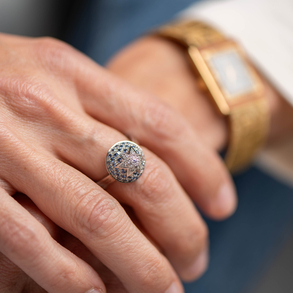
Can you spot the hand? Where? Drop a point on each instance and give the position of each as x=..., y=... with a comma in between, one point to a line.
x=55, y=104
x=162, y=68
x=13, y=279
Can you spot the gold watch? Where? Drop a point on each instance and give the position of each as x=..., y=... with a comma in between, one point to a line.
x=225, y=73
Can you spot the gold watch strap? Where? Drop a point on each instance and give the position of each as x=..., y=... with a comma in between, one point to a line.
x=191, y=33
x=248, y=126
x=248, y=122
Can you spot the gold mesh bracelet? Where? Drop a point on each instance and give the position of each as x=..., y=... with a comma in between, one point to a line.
x=248, y=124
x=248, y=121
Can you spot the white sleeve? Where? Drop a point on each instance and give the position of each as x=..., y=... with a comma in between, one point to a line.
x=265, y=29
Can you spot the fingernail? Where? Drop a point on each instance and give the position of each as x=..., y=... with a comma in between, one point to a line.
x=199, y=266
x=226, y=200
x=94, y=291
x=174, y=289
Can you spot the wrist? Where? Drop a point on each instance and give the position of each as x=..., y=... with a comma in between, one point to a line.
x=163, y=57
x=161, y=67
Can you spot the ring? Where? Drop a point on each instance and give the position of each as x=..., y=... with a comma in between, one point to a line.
x=125, y=162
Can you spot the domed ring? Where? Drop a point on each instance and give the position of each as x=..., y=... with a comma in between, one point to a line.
x=125, y=162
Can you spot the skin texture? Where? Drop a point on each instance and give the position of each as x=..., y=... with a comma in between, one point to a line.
x=160, y=68
x=13, y=279
x=59, y=114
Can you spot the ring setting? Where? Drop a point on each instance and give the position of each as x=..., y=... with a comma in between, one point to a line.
x=125, y=161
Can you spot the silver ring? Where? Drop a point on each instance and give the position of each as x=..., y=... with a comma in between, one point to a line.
x=125, y=162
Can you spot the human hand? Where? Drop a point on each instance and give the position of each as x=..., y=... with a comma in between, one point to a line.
x=54, y=102
x=14, y=280
x=162, y=68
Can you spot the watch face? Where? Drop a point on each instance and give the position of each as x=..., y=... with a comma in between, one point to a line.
x=227, y=74
x=231, y=73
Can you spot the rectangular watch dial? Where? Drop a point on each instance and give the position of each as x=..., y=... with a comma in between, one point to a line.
x=231, y=73
x=228, y=75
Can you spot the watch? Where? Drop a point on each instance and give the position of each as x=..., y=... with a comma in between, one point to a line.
x=224, y=72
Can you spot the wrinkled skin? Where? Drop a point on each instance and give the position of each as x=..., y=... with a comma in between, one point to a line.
x=60, y=113
x=13, y=279
x=161, y=69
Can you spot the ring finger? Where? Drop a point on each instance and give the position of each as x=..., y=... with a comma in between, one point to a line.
x=158, y=200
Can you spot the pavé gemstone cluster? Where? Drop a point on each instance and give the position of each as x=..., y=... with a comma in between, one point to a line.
x=125, y=161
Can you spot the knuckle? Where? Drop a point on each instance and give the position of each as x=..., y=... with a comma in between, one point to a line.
x=17, y=237
x=27, y=95
x=22, y=236
x=48, y=42
x=68, y=278
x=87, y=134
x=96, y=215
x=194, y=240
x=65, y=277
x=51, y=48
x=163, y=122
x=31, y=98
x=52, y=53
x=154, y=273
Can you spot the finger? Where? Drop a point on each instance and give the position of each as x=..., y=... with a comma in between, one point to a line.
x=29, y=205
x=112, y=283
x=62, y=237
x=30, y=285
x=15, y=278
x=77, y=204
x=168, y=216
x=156, y=126
x=66, y=240
x=162, y=206
x=12, y=278
x=29, y=246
